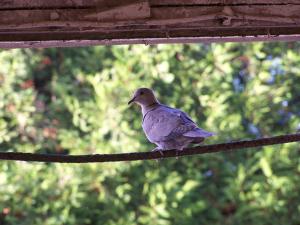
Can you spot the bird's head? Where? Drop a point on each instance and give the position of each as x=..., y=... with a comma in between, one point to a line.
x=143, y=97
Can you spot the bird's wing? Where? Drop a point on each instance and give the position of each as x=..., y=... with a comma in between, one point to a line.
x=165, y=123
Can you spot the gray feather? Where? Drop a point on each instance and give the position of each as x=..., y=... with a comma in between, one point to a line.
x=171, y=128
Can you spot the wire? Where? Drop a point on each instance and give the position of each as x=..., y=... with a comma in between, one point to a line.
x=97, y=158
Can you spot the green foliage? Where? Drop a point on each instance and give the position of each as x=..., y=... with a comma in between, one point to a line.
x=74, y=101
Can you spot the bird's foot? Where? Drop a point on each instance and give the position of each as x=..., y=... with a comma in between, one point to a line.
x=177, y=151
x=158, y=150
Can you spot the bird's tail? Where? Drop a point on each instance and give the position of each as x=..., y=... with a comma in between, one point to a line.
x=198, y=133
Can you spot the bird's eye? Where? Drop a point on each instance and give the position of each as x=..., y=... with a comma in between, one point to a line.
x=141, y=93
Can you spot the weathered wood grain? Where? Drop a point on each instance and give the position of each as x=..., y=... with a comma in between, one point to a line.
x=56, y=4
x=136, y=21
x=23, y=4
x=215, y=16
x=222, y=2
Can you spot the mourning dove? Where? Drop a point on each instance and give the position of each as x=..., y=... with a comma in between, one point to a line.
x=167, y=127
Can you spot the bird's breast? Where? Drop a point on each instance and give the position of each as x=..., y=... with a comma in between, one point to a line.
x=158, y=124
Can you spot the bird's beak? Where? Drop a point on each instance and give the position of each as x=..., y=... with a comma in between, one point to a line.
x=131, y=100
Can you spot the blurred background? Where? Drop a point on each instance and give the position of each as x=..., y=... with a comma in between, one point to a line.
x=74, y=101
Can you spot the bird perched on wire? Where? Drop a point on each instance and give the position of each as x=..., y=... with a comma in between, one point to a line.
x=167, y=127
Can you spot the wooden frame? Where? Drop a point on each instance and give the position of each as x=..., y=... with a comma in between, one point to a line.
x=70, y=23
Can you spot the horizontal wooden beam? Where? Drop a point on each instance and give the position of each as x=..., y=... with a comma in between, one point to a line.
x=46, y=4
x=145, y=41
x=55, y=4
x=223, y=2
x=140, y=21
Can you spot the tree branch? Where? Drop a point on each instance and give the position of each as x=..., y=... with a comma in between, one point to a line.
x=223, y=147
